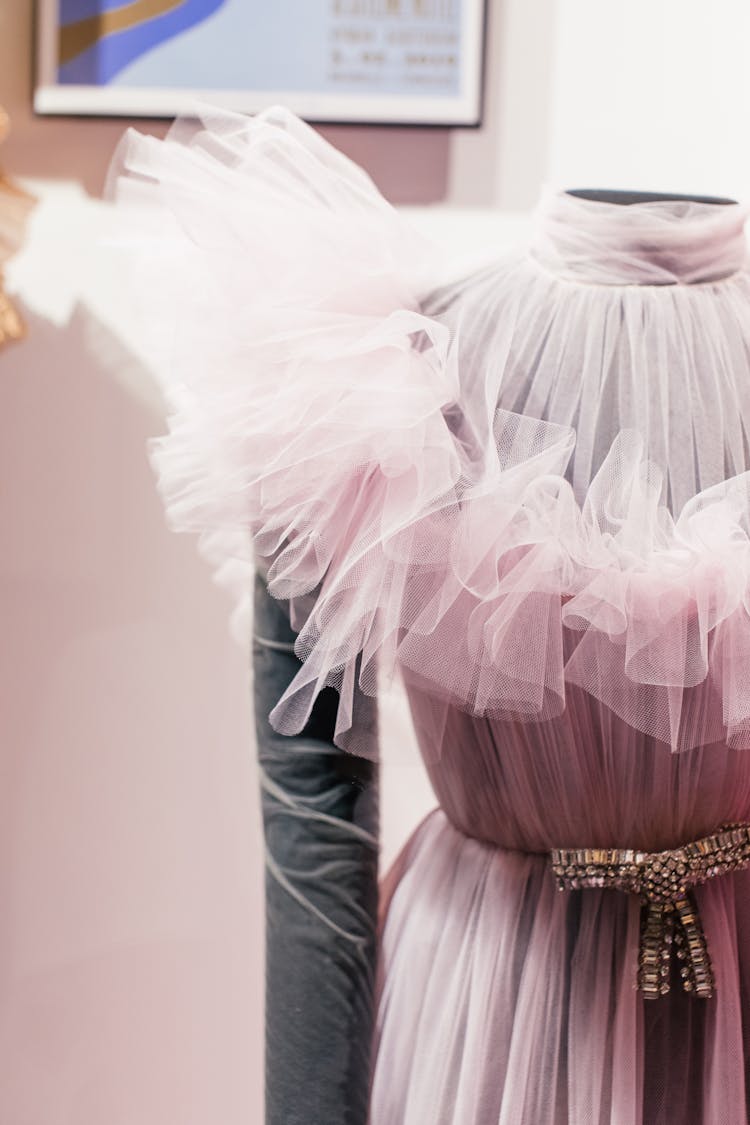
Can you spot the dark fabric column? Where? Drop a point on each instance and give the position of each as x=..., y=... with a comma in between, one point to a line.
x=320, y=819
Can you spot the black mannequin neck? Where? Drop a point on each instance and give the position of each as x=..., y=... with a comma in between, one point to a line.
x=605, y=195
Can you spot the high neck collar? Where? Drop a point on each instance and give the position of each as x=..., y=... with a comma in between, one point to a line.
x=661, y=242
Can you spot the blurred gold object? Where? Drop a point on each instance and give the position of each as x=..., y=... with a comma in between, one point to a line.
x=15, y=205
x=11, y=325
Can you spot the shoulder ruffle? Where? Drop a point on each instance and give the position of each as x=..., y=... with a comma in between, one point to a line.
x=317, y=419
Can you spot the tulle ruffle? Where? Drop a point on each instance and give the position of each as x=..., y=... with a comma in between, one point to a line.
x=486, y=488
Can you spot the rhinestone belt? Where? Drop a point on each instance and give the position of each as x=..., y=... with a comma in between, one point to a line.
x=663, y=880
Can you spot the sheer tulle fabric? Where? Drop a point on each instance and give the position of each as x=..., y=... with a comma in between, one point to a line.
x=453, y=482
x=678, y=241
x=528, y=492
x=504, y=1000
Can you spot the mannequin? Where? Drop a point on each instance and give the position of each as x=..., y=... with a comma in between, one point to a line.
x=623, y=196
x=319, y=982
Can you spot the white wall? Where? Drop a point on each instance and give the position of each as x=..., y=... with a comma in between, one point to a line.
x=652, y=94
x=502, y=163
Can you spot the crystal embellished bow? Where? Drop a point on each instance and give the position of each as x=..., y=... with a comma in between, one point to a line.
x=663, y=881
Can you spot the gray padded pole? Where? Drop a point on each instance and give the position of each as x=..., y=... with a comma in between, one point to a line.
x=321, y=829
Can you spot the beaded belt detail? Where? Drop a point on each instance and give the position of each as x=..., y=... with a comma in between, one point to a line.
x=663, y=881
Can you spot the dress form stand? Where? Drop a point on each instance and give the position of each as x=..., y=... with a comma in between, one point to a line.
x=320, y=823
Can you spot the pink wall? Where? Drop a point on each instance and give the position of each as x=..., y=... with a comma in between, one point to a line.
x=131, y=857
x=131, y=860
x=131, y=929
x=410, y=165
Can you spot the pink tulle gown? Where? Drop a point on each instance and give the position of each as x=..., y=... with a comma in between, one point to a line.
x=526, y=494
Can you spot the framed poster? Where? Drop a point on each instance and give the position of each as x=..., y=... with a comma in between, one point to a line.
x=401, y=61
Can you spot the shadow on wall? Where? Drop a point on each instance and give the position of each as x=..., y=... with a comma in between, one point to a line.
x=130, y=853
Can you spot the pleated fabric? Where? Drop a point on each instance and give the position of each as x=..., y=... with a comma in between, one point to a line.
x=525, y=493
x=502, y=999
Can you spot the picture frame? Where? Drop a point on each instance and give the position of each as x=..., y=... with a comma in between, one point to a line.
x=406, y=62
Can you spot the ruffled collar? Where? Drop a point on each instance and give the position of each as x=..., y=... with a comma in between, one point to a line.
x=661, y=242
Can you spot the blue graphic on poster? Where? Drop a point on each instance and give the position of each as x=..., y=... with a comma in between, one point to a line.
x=99, y=38
x=327, y=46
